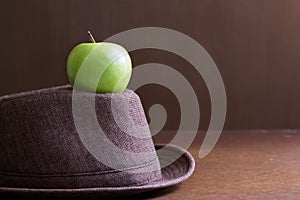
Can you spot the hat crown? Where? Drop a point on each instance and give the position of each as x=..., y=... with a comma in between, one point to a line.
x=40, y=146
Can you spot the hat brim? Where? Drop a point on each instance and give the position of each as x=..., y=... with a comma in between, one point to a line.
x=175, y=173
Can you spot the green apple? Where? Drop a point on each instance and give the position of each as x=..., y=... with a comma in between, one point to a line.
x=99, y=67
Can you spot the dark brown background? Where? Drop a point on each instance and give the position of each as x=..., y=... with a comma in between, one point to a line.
x=254, y=43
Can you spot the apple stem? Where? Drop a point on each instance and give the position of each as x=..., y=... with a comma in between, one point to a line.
x=91, y=37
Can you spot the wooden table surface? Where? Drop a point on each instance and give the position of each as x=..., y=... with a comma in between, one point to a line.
x=257, y=164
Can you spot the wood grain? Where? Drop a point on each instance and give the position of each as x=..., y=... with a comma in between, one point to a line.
x=244, y=165
x=258, y=165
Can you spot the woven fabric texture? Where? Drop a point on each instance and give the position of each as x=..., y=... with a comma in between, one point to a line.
x=40, y=147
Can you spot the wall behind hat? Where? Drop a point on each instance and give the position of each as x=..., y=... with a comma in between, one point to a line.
x=254, y=43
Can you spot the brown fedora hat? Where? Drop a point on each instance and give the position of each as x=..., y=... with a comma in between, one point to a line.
x=42, y=152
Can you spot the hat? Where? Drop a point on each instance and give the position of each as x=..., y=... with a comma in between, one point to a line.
x=45, y=151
